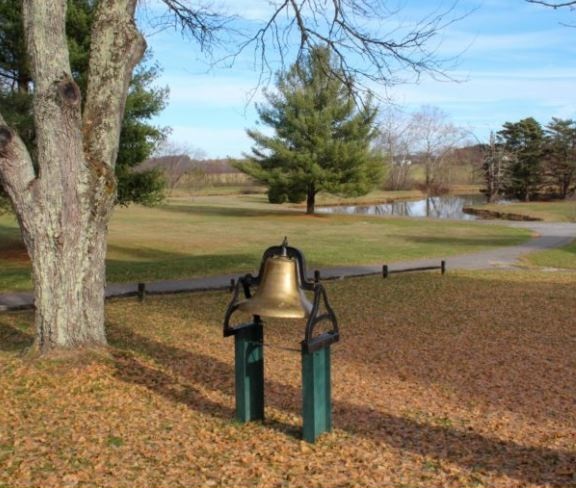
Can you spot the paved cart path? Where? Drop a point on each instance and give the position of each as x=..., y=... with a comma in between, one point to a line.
x=549, y=235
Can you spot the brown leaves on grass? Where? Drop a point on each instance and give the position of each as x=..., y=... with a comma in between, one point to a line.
x=460, y=381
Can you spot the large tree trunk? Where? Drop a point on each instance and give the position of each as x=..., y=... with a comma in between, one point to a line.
x=64, y=209
x=69, y=279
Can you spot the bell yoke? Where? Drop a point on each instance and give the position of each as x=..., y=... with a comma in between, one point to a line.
x=281, y=284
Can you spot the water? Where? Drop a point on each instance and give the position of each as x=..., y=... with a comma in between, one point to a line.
x=443, y=207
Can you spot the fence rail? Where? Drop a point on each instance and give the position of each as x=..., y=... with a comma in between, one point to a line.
x=386, y=271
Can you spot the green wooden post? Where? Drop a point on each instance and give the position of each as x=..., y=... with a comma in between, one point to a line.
x=249, y=369
x=316, y=402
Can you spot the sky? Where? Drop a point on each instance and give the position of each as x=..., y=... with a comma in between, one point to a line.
x=505, y=60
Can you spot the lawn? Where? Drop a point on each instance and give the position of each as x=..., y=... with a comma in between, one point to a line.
x=461, y=381
x=558, y=211
x=563, y=257
x=210, y=235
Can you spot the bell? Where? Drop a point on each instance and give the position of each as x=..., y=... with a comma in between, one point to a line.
x=278, y=294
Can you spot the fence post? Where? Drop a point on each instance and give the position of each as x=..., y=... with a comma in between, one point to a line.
x=443, y=267
x=141, y=291
x=385, y=271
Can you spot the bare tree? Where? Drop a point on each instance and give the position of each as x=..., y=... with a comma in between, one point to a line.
x=493, y=169
x=173, y=167
x=395, y=142
x=64, y=197
x=170, y=147
x=177, y=160
x=434, y=138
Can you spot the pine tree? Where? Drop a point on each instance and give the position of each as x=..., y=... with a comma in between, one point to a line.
x=560, y=156
x=321, y=140
x=523, y=142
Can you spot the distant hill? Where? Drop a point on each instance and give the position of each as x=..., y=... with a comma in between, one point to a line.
x=182, y=170
x=218, y=166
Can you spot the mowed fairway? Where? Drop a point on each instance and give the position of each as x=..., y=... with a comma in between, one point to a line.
x=554, y=211
x=212, y=235
x=460, y=381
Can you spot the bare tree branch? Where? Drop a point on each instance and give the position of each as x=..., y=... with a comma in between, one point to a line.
x=556, y=5
x=353, y=31
x=366, y=48
x=553, y=4
x=200, y=22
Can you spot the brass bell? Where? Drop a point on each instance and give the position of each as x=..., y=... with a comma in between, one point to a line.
x=279, y=294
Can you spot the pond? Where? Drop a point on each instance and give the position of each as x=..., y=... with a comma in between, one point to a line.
x=442, y=207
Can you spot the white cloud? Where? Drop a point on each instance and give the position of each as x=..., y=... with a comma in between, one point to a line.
x=555, y=86
x=469, y=43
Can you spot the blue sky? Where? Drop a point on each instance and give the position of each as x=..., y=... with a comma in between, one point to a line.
x=513, y=60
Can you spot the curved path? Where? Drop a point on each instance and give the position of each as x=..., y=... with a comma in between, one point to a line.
x=548, y=235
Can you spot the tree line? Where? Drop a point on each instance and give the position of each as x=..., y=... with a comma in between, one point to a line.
x=326, y=139
x=526, y=161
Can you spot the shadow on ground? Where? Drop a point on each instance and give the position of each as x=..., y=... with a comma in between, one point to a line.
x=13, y=339
x=468, y=449
x=150, y=264
x=466, y=243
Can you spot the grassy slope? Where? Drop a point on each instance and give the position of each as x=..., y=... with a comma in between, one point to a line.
x=561, y=211
x=564, y=257
x=438, y=382
x=217, y=234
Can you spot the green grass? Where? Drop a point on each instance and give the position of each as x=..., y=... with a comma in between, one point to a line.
x=212, y=235
x=563, y=257
x=558, y=211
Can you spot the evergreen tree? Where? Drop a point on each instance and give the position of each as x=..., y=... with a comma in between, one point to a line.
x=138, y=138
x=523, y=143
x=321, y=140
x=560, y=160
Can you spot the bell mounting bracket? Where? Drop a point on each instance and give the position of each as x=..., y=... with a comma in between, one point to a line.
x=311, y=341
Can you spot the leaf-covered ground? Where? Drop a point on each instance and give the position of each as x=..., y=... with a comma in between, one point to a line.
x=455, y=381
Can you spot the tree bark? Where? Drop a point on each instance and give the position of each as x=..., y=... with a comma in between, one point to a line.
x=311, y=200
x=64, y=210
x=69, y=280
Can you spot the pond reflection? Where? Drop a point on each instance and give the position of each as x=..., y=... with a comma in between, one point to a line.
x=442, y=207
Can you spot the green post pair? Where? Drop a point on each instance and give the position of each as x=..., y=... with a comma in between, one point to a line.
x=316, y=391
